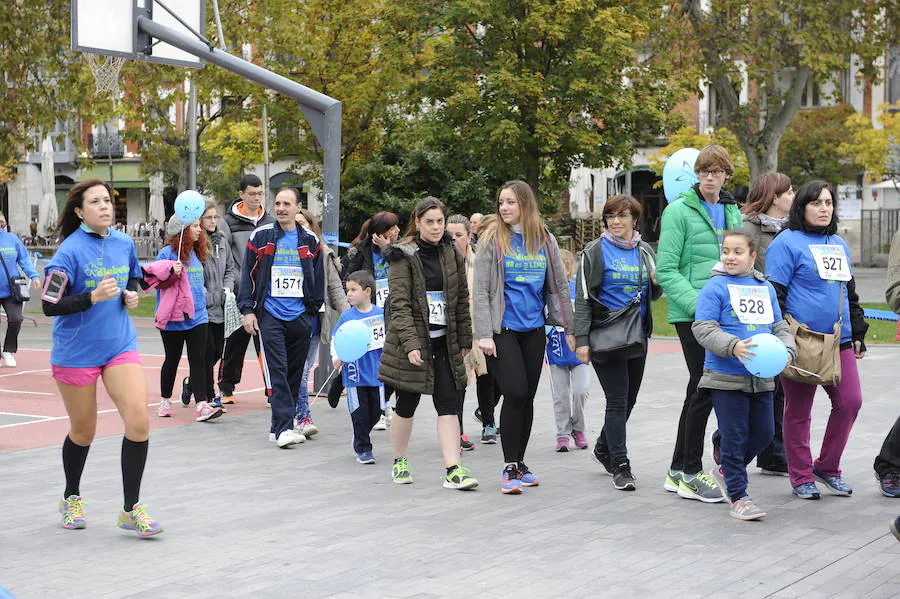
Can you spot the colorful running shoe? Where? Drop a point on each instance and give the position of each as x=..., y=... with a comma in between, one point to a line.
x=207, y=412
x=216, y=402
x=673, y=479
x=186, y=391
x=165, y=408
x=465, y=444
x=890, y=484
x=72, y=510
x=581, y=441
x=745, y=509
x=835, y=484
x=510, y=483
x=806, y=491
x=400, y=473
x=306, y=427
x=527, y=477
x=701, y=487
x=562, y=444
x=489, y=435
x=459, y=478
x=139, y=521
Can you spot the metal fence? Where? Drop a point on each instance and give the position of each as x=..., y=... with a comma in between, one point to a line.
x=877, y=230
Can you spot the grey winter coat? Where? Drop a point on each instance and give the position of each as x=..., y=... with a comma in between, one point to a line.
x=764, y=235
x=335, y=296
x=218, y=274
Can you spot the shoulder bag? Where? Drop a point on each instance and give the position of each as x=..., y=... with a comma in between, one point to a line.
x=620, y=335
x=818, y=354
x=18, y=285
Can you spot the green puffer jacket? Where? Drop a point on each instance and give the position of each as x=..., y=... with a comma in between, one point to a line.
x=408, y=328
x=688, y=250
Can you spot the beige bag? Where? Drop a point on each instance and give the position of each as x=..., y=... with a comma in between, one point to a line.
x=818, y=354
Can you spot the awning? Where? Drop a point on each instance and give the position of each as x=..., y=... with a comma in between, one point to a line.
x=126, y=175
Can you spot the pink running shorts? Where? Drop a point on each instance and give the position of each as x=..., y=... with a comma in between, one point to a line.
x=82, y=377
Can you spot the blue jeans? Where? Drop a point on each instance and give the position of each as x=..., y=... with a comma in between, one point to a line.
x=747, y=426
x=303, y=395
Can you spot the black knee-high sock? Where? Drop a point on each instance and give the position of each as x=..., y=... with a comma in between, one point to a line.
x=134, y=456
x=74, y=456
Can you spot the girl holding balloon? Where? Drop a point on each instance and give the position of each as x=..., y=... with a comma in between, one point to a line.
x=735, y=305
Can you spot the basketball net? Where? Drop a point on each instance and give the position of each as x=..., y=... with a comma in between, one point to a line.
x=106, y=73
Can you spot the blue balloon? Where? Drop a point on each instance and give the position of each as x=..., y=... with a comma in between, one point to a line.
x=189, y=206
x=771, y=356
x=678, y=172
x=351, y=340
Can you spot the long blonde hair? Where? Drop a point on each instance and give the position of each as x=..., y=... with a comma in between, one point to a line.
x=533, y=232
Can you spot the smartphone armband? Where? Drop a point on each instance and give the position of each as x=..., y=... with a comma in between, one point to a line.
x=54, y=286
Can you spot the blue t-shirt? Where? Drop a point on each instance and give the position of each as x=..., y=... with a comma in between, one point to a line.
x=716, y=213
x=286, y=254
x=364, y=371
x=102, y=332
x=558, y=352
x=810, y=299
x=621, y=273
x=14, y=255
x=715, y=303
x=382, y=267
x=194, y=271
x=523, y=288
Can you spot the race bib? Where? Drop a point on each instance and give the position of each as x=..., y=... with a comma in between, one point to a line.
x=376, y=328
x=752, y=304
x=287, y=281
x=381, y=292
x=831, y=260
x=437, y=308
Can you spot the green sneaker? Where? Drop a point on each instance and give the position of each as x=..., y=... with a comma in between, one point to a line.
x=459, y=478
x=701, y=487
x=139, y=521
x=400, y=473
x=72, y=510
x=673, y=477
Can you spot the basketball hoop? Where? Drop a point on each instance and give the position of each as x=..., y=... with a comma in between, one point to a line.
x=106, y=73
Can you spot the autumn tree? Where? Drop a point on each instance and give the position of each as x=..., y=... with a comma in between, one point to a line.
x=876, y=150
x=810, y=148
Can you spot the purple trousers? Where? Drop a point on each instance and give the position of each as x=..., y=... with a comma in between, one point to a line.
x=846, y=399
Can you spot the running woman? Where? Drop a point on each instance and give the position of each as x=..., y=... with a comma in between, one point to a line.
x=429, y=335
x=14, y=256
x=518, y=274
x=90, y=283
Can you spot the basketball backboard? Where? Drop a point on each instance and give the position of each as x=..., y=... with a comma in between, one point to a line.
x=109, y=27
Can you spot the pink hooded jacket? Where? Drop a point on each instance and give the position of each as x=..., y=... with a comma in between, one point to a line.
x=175, y=300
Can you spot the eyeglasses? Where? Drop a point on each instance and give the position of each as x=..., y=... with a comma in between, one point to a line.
x=715, y=172
x=619, y=216
x=213, y=217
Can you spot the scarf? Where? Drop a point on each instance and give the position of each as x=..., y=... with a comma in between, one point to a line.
x=622, y=243
x=777, y=223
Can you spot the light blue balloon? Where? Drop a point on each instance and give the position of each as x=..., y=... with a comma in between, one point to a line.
x=678, y=172
x=771, y=356
x=351, y=340
x=189, y=206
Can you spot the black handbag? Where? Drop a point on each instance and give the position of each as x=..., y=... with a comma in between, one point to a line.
x=620, y=335
x=18, y=285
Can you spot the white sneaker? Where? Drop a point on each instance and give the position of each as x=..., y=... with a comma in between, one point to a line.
x=289, y=437
x=9, y=358
x=381, y=425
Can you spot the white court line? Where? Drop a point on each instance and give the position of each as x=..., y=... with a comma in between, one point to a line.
x=53, y=418
x=25, y=392
x=3, y=376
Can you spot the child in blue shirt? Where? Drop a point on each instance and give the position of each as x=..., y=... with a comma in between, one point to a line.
x=570, y=380
x=736, y=303
x=365, y=393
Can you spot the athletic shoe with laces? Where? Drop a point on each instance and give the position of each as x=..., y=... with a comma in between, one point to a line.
x=306, y=427
x=459, y=478
x=400, y=473
x=165, y=408
x=581, y=441
x=718, y=475
x=701, y=487
x=206, y=412
x=890, y=484
x=527, y=476
x=562, y=444
x=745, y=509
x=288, y=437
x=623, y=480
x=835, y=484
x=227, y=399
x=774, y=470
x=673, y=479
x=381, y=425
x=895, y=527
x=465, y=444
x=806, y=491
x=489, y=435
x=72, y=510
x=216, y=402
x=510, y=483
x=9, y=358
x=139, y=521
x=186, y=391
x=603, y=459
x=365, y=457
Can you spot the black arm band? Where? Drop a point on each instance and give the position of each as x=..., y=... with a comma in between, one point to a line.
x=68, y=304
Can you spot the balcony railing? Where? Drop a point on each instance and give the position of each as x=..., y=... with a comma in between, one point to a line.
x=107, y=144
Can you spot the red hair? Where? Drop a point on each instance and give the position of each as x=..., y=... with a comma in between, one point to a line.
x=198, y=245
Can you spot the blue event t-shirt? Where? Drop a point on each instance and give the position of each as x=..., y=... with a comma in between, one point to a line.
x=558, y=352
x=14, y=255
x=810, y=299
x=382, y=267
x=194, y=271
x=286, y=254
x=364, y=371
x=714, y=303
x=103, y=331
x=621, y=273
x=716, y=213
x=523, y=288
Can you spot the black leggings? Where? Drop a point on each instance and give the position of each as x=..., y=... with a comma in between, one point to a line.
x=173, y=341
x=445, y=396
x=688, y=454
x=215, y=345
x=488, y=392
x=14, y=318
x=518, y=354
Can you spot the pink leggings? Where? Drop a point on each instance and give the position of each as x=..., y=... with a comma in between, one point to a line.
x=846, y=399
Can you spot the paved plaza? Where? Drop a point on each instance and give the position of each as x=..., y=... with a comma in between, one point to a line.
x=245, y=519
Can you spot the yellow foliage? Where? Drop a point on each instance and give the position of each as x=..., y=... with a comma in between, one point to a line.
x=687, y=137
x=871, y=147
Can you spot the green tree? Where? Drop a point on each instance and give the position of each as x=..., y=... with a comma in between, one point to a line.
x=759, y=57
x=876, y=150
x=687, y=137
x=810, y=146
